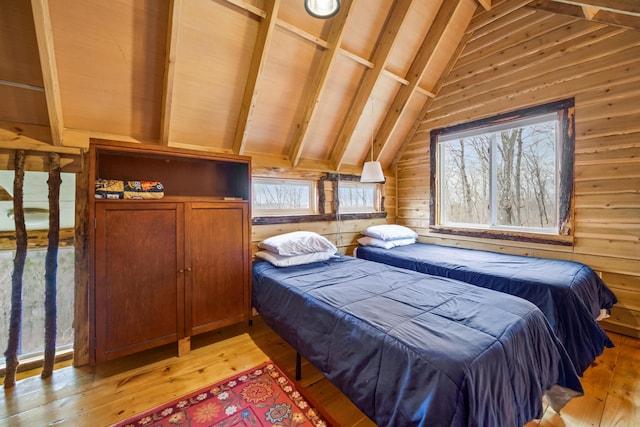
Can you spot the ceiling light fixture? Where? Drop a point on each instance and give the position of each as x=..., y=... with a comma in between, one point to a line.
x=372, y=171
x=322, y=9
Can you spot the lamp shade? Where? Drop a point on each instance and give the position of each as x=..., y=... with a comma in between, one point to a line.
x=372, y=172
x=322, y=9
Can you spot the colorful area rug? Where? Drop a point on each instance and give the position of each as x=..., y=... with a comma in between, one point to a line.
x=262, y=396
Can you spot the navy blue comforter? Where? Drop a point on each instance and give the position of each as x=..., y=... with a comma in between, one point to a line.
x=569, y=294
x=411, y=349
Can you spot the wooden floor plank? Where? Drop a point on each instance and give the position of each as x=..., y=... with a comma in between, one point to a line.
x=622, y=405
x=118, y=389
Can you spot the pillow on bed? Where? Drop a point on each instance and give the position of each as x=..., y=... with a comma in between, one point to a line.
x=390, y=232
x=288, y=261
x=297, y=243
x=385, y=244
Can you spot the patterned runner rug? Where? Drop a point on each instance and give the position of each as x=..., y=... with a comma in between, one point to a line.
x=262, y=396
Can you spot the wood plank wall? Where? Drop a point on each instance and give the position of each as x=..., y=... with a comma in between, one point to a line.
x=342, y=233
x=527, y=58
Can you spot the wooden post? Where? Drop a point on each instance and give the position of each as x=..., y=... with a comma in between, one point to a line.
x=51, y=266
x=11, y=355
x=81, y=333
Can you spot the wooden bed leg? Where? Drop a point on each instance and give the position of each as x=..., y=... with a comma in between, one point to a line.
x=298, y=367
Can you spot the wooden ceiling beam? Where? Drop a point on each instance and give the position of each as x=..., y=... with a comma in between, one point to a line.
x=248, y=7
x=386, y=72
x=252, y=87
x=44, y=37
x=624, y=7
x=303, y=34
x=590, y=12
x=414, y=75
x=498, y=11
x=36, y=140
x=379, y=60
x=173, y=27
x=485, y=3
x=427, y=105
x=603, y=16
x=317, y=87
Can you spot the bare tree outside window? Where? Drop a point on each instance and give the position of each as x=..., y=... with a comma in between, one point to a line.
x=502, y=178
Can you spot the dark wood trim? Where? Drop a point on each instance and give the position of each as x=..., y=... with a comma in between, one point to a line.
x=504, y=235
x=565, y=210
x=433, y=174
x=292, y=219
x=550, y=107
x=321, y=195
x=336, y=196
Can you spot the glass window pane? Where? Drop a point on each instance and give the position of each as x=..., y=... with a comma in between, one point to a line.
x=503, y=176
x=526, y=183
x=465, y=180
x=357, y=197
x=282, y=197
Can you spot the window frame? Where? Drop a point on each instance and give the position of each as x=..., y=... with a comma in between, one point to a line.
x=563, y=235
x=335, y=179
x=375, y=207
x=313, y=199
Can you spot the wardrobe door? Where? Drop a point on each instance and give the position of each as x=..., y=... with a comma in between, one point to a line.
x=139, y=289
x=217, y=265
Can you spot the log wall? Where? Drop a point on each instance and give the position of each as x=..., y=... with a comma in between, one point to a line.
x=530, y=57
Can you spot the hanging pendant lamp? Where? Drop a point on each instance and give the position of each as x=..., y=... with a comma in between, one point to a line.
x=322, y=9
x=372, y=171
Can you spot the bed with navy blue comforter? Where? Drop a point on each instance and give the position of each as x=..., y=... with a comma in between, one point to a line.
x=570, y=294
x=412, y=349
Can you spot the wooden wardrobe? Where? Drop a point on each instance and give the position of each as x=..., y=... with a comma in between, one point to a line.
x=163, y=270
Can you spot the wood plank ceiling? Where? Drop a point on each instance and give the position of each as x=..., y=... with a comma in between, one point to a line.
x=253, y=77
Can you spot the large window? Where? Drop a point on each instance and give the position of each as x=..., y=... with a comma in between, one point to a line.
x=283, y=197
x=506, y=174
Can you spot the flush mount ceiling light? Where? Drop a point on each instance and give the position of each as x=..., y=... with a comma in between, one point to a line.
x=322, y=9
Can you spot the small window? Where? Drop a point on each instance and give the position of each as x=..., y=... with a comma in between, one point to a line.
x=358, y=197
x=283, y=197
x=506, y=174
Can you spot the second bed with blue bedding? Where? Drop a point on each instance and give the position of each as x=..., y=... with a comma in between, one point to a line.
x=570, y=294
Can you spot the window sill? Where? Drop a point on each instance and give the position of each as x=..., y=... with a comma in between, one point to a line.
x=292, y=219
x=549, y=239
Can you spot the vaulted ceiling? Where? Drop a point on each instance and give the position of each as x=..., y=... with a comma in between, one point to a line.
x=253, y=77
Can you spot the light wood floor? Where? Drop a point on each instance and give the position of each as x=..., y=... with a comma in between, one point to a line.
x=119, y=389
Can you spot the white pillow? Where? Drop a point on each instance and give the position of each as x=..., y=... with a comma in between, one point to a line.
x=385, y=244
x=288, y=261
x=297, y=243
x=390, y=232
